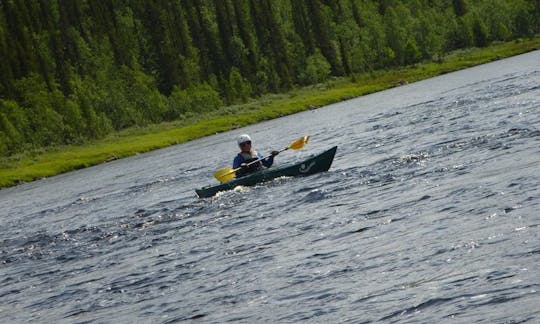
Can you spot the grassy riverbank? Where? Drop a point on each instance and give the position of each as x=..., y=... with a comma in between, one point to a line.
x=35, y=165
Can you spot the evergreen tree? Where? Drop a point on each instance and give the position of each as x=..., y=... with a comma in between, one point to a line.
x=460, y=7
x=78, y=70
x=321, y=27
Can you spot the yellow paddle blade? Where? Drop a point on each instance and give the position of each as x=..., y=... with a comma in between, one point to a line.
x=299, y=143
x=225, y=174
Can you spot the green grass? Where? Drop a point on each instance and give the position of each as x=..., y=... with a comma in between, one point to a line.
x=44, y=163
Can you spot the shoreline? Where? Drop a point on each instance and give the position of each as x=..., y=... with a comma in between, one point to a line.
x=30, y=166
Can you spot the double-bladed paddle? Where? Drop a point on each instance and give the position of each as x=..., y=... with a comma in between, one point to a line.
x=227, y=174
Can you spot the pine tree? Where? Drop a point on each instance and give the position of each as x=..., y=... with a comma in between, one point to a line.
x=324, y=39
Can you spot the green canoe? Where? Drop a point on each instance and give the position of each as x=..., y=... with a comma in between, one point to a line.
x=314, y=164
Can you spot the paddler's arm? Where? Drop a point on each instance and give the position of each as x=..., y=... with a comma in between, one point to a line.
x=269, y=160
x=238, y=160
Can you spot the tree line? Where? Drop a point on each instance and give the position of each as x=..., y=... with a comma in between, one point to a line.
x=78, y=70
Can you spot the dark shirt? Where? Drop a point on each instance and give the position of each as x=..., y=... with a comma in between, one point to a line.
x=239, y=159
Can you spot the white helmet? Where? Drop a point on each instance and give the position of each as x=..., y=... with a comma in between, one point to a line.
x=243, y=138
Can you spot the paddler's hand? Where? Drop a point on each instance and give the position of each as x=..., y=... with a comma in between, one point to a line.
x=274, y=153
x=243, y=165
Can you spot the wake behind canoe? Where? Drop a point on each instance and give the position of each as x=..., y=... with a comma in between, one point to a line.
x=314, y=164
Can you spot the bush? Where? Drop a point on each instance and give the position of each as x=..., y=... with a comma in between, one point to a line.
x=317, y=69
x=480, y=33
x=199, y=98
x=411, y=52
x=239, y=86
x=10, y=138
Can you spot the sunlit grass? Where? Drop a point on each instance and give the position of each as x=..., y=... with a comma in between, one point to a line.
x=44, y=163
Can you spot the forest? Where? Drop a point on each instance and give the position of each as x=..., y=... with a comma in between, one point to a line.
x=74, y=71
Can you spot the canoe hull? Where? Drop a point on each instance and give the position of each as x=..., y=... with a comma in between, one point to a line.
x=314, y=164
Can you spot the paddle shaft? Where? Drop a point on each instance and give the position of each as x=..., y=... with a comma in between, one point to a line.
x=222, y=174
x=263, y=158
x=252, y=162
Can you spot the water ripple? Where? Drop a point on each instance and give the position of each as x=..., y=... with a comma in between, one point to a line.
x=428, y=214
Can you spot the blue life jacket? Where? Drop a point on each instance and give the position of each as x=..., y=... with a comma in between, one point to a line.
x=247, y=157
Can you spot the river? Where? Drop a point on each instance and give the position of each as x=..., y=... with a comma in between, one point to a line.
x=429, y=213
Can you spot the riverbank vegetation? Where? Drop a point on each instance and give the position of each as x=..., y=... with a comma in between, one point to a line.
x=35, y=164
x=86, y=82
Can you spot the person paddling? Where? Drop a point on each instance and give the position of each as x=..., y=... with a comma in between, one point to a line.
x=248, y=154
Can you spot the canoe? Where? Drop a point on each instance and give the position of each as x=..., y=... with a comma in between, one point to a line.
x=314, y=164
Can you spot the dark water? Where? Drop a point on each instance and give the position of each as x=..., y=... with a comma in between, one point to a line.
x=430, y=213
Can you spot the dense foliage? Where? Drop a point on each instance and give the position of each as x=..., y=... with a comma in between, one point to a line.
x=77, y=70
